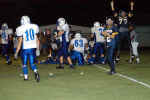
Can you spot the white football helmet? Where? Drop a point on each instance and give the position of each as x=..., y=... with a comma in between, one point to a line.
x=61, y=21
x=78, y=35
x=25, y=20
x=97, y=24
x=4, y=26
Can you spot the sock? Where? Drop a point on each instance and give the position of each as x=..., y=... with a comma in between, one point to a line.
x=25, y=69
x=138, y=60
x=7, y=58
x=35, y=70
x=25, y=76
x=33, y=67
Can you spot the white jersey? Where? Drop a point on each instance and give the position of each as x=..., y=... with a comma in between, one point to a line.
x=66, y=29
x=5, y=36
x=79, y=44
x=29, y=34
x=98, y=34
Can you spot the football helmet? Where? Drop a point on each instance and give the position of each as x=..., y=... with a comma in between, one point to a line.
x=97, y=24
x=61, y=21
x=25, y=20
x=4, y=26
x=78, y=35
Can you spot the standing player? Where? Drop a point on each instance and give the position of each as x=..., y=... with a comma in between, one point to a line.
x=134, y=45
x=5, y=36
x=110, y=33
x=97, y=31
x=63, y=34
x=78, y=45
x=27, y=38
x=122, y=20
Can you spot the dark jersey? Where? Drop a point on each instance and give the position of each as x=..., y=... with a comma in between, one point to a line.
x=123, y=22
x=111, y=41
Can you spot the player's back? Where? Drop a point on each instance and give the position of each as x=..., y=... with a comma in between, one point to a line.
x=98, y=34
x=28, y=33
x=66, y=29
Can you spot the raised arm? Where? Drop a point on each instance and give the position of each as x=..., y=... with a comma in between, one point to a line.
x=112, y=5
x=132, y=5
x=131, y=9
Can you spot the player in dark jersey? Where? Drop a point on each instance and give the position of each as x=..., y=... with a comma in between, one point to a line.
x=110, y=33
x=122, y=21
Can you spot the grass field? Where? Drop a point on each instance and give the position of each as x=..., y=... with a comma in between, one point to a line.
x=68, y=84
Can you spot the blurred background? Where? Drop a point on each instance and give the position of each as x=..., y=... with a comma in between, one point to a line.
x=78, y=12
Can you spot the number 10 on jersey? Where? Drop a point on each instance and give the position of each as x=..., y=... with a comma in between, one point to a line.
x=29, y=34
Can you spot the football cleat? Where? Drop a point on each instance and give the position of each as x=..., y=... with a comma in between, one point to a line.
x=37, y=77
x=60, y=67
x=112, y=73
x=9, y=62
x=72, y=67
x=26, y=79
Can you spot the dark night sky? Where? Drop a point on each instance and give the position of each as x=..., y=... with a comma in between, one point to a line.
x=80, y=12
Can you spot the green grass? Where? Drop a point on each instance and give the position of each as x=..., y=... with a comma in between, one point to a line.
x=68, y=84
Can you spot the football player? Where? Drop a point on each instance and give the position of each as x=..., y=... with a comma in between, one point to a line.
x=63, y=35
x=78, y=45
x=122, y=20
x=5, y=36
x=110, y=33
x=97, y=31
x=28, y=39
x=134, y=45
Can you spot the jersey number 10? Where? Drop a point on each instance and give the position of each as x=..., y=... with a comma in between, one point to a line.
x=29, y=34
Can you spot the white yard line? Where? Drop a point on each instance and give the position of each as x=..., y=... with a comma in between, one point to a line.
x=125, y=77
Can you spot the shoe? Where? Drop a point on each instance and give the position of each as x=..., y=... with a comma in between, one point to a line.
x=137, y=60
x=72, y=67
x=117, y=59
x=9, y=62
x=25, y=79
x=60, y=67
x=37, y=77
x=112, y=73
x=103, y=62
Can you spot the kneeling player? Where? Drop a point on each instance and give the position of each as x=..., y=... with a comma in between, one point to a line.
x=27, y=37
x=78, y=45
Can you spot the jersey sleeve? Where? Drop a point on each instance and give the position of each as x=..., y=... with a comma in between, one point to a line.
x=92, y=30
x=19, y=32
x=72, y=42
x=36, y=29
x=10, y=31
x=66, y=28
x=85, y=41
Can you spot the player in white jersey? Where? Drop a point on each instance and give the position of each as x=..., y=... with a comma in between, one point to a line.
x=99, y=38
x=78, y=45
x=63, y=35
x=5, y=36
x=27, y=38
x=134, y=54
